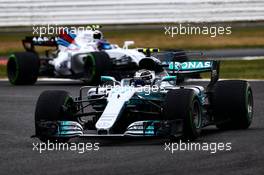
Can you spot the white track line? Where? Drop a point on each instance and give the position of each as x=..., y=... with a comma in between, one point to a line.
x=252, y=58
x=70, y=80
x=50, y=79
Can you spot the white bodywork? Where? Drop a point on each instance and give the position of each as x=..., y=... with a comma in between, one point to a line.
x=83, y=43
x=119, y=95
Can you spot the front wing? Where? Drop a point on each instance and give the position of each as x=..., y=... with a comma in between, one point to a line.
x=148, y=128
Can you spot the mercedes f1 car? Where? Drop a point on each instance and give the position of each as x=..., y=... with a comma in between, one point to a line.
x=151, y=104
x=85, y=55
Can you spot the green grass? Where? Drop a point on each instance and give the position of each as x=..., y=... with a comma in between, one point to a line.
x=248, y=69
x=238, y=69
x=2, y=71
x=250, y=37
x=241, y=37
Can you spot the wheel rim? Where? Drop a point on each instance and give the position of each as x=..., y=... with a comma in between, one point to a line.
x=196, y=115
x=250, y=105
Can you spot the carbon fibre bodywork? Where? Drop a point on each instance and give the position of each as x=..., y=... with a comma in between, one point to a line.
x=123, y=109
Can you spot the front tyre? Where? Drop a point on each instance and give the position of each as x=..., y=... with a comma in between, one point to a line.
x=50, y=108
x=23, y=68
x=232, y=102
x=183, y=104
x=96, y=64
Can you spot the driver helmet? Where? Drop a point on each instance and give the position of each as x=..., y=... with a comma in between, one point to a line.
x=103, y=45
x=144, y=77
x=98, y=35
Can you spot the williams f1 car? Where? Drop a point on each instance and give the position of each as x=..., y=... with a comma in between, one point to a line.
x=151, y=104
x=85, y=55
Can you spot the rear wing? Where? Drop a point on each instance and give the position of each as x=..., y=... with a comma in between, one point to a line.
x=195, y=66
x=188, y=67
x=30, y=42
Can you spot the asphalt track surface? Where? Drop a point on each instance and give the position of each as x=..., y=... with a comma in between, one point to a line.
x=217, y=53
x=17, y=105
x=234, y=53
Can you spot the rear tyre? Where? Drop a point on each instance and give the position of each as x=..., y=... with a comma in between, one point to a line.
x=184, y=104
x=96, y=64
x=23, y=68
x=50, y=108
x=232, y=102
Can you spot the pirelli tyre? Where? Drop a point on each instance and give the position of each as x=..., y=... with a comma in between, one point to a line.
x=96, y=64
x=183, y=104
x=23, y=68
x=51, y=107
x=232, y=102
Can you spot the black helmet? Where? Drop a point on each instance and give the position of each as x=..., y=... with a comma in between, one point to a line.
x=143, y=77
x=98, y=35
